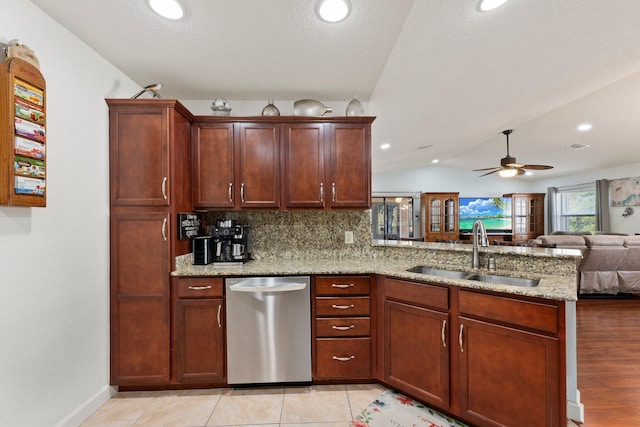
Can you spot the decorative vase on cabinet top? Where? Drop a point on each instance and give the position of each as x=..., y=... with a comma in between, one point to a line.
x=270, y=110
x=310, y=107
x=355, y=108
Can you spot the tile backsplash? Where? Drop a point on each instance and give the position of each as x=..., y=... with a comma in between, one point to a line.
x=303, y=234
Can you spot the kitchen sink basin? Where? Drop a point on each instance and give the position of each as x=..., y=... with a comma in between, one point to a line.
x=503, y=280
x=479, y=277
x=452, y=274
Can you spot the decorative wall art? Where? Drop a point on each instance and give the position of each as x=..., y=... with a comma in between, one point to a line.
x=625, y=191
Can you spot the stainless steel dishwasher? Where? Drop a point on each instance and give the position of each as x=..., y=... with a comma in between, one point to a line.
x=268, y=329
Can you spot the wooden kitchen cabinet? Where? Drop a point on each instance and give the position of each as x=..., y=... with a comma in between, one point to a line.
x=439, y=216
x=341, y=310
x=416, y=337
x=491, y=360
x=527, y=216
x=198, y=330
x=149, y=171
x=282, y=162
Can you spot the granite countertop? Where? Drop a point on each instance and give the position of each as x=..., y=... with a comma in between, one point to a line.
x=554, y=287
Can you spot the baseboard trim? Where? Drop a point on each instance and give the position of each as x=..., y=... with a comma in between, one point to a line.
x=84, y=411
x=575, y=410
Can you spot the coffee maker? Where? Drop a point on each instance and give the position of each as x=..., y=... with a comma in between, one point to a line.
x=229, y=243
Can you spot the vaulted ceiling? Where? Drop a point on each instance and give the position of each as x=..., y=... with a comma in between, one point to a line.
x=443, y=78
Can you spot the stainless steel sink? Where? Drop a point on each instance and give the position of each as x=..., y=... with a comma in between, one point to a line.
x=479, y=277
x=503, y=280
x=452, y=274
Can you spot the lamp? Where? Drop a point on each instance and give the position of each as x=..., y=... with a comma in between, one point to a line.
x=508, y=172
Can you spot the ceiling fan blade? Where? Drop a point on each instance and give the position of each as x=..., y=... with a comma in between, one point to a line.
x=536, y=167
x=485, y=169
x=489, y=173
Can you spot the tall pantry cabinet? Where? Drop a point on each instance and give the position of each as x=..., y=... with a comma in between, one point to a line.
x=149, y=166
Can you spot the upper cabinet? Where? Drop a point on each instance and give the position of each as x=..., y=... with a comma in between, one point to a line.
x=281, y=162
x=140, y=155
x=22, y=135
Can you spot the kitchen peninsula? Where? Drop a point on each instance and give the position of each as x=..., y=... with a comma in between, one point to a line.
x=457, y=344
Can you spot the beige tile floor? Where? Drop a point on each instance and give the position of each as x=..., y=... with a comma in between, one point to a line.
x=307, y=406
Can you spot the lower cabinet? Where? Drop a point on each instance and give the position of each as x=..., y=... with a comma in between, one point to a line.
x=198, y=326
x=342, y=348
x=488, y=359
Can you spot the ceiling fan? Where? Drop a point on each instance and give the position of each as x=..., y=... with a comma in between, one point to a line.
x=508, y=165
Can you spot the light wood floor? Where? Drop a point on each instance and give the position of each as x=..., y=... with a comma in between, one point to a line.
x=608, y=333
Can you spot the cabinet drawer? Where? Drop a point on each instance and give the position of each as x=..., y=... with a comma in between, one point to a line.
x=416, y=293
x=343, y=327
x=342, y=285
x=343, y=358
x=199, y=287
x=337, y=307
x=529, y=314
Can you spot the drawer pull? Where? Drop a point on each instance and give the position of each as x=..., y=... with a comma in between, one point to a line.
x=342, y=307
x=342, y=285
x=199, y=288
x=343, y=359
x=342, y=328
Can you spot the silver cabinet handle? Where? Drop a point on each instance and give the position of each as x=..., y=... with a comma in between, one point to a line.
x=333, y=191
x=342, y=307
x=231, y=192
x=199, y=288
x=343, y=359
x=164, y=229
x=322, y=192
x=164, y=188
x=242, y=192
x=219, y=310
x=444, y=327
x=342, y=285
x=342, y=328
x=460, y=338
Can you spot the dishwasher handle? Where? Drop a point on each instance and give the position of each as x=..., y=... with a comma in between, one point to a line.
x=250, y=287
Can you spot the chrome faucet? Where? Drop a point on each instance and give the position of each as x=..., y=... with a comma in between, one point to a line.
x=479, y=232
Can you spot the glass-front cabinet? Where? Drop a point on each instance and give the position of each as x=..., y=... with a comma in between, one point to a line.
x=528, y=216
x=439, y=214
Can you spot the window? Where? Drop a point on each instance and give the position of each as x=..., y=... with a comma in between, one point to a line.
x=573, y=209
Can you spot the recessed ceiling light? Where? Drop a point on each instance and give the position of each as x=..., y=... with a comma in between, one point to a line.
x=487, y=5
x=170, y=9
x=528, y=173
x=584, y=127
x=385, y=146
x=434, y=161
x=333, y=10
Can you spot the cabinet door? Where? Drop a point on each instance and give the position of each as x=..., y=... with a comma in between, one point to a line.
x=139, y=156
x=350, y=165
x=213, y=165
x=139, y=298
x=416, y=349
x=508, y=377
x=199, y=337
x=304, y=166
x=259, y=157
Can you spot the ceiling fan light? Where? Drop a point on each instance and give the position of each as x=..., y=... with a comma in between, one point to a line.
x=508, y=172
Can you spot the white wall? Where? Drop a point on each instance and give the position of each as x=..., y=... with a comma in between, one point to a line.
x=54, y=261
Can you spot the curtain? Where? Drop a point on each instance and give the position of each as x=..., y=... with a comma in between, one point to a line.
x=552, y=222
x=602, y=205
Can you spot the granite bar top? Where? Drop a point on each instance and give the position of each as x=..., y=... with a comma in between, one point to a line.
x=561, y=286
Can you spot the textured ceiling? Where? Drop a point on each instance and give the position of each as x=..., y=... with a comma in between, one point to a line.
x=435, y=73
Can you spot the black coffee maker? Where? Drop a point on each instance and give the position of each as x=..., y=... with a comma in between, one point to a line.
x=228, y=243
